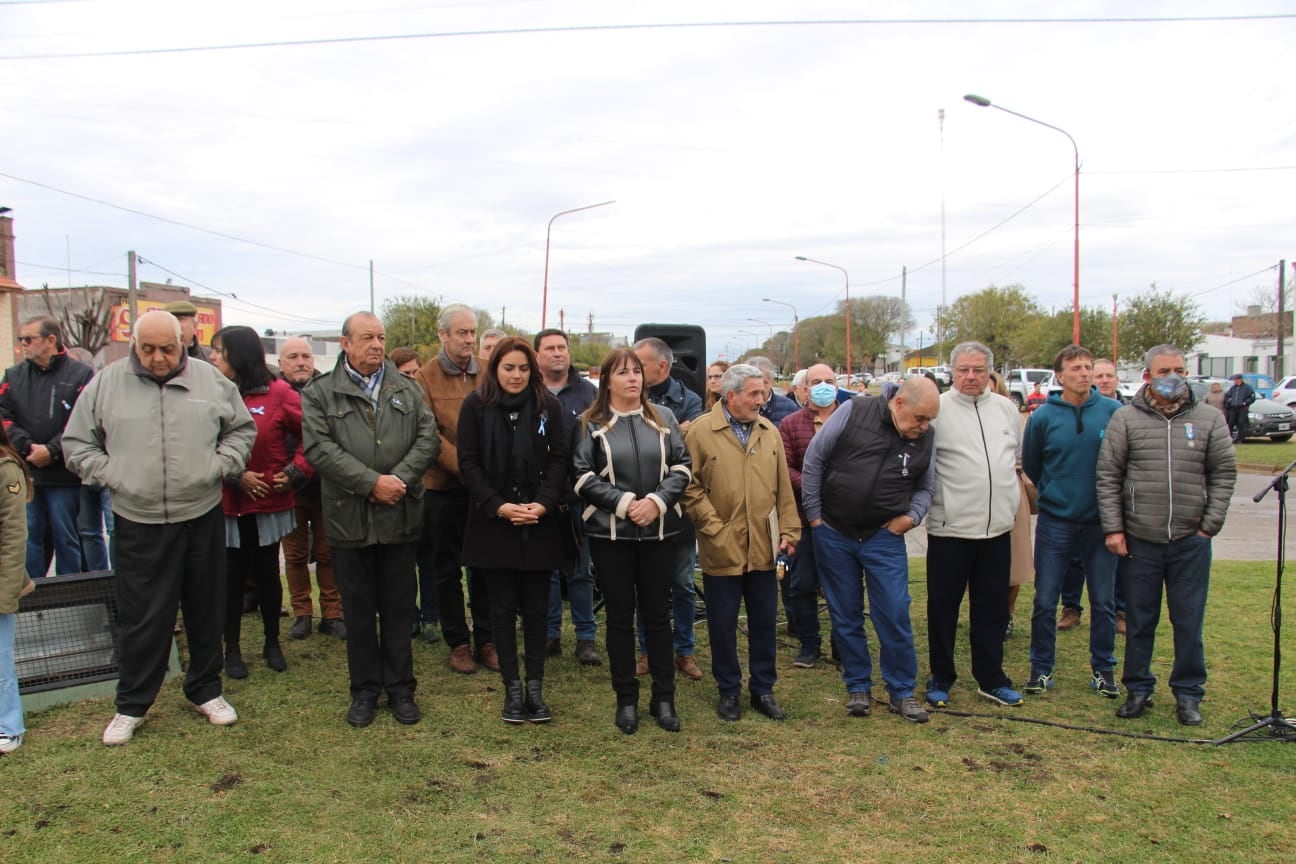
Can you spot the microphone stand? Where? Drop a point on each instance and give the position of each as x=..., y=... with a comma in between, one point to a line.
x=1280, y=728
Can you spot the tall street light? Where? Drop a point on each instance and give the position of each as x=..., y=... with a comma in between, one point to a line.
x=848, y=306
x=1075, y=301
x=796, y=335
x=544, y=303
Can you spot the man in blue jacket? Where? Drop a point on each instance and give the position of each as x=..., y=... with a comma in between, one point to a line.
x=1060, y=455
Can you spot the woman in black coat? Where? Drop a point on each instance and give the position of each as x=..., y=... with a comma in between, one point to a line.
x=632, y=467
x=513, y=458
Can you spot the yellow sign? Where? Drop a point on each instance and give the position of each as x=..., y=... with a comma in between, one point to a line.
x=208, y=319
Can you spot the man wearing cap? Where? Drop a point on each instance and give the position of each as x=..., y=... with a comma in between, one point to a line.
x=187, y=314
x=1237, y=402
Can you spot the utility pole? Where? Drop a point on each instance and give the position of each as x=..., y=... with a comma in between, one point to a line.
x=502, y=308
x=591, y=322
x=132, y=289
x=562, y=320
x=371, y=291
x=1115, y=333
x=904, y=306
x=940, y=313
x=1282, y=318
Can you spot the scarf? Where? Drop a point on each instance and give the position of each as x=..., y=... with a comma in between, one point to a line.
x=509, y=454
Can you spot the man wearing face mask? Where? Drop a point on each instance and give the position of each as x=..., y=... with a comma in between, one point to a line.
x=801, y=584
x=1166, y=472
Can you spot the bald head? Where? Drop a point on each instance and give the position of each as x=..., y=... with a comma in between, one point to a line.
x=914, y=406
x=156, y=342
x=296, y=360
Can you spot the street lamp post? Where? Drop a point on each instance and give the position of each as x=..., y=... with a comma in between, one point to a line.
x=848, y=306
x=1075, y=285
x=544, y=303
x=796, y=334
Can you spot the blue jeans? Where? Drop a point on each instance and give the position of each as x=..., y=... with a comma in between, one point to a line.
x=1073, y=588
x=885, y=565
x=54, y=507
x=1057, y=542
x=580, y=594
x=758, y=590
x=801, y=593
x=11, y=713
x=1183, y=568
x=683, y=597
x=94, y=516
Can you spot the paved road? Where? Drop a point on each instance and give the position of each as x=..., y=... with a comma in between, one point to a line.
x=1250, y=531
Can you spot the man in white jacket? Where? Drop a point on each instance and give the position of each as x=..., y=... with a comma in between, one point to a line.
x=969, y=548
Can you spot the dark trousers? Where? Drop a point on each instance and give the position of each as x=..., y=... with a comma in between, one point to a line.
x=801, y=593
x=445, y=516
x=261, y=563
x=159, y=569
x=759, y=590
x=981, y=568
x=525, y=591
x=1182, y=570
x=377, y=586
x=1238, y=420
x=630, y=573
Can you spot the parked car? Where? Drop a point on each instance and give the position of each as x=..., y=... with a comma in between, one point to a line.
x=941, y=373
x=1285, y=391
x=1266, y=419
x=1021, y=382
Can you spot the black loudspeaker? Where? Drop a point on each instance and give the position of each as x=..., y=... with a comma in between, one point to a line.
x=688, y=343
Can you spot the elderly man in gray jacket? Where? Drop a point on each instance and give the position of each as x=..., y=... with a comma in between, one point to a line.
x=1166, y=473
x=162, y=432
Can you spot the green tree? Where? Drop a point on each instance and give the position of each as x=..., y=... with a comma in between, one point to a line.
x=1158, y=317
x=1042, y=337
x=996, y=317
x=876, y=322
x=411, y=321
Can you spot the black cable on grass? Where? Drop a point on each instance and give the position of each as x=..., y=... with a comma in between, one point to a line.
x=1144, y=736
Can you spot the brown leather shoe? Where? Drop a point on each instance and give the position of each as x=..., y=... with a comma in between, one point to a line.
x=688, y=667
x=487, y=657
x=1120, y=623
x=461, y=660
x=1069, y=618
x=641, y=667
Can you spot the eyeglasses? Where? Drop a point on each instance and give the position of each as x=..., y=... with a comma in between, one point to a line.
x=27, y=340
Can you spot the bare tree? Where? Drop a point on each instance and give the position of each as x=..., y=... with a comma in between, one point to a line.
x=89, y=324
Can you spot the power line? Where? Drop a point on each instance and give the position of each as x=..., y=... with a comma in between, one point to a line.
x=54, y=268
x=609, y=28
x=1237, y=280
x=199, y=228
x=232, y=295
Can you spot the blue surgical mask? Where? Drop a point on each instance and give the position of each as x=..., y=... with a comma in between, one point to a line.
x=1170, y=386
x=823, y=395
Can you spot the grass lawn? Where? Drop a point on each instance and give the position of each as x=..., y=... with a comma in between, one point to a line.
x=1271, y=453
x=291, y=782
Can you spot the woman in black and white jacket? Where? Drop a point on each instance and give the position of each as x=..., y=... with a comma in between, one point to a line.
x=631, y=468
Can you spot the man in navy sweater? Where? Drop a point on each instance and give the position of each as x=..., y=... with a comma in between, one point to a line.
x=1060, y=455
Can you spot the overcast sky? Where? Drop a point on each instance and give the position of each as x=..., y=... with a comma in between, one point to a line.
x=727, y=149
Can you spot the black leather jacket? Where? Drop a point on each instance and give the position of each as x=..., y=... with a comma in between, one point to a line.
x=631, y=457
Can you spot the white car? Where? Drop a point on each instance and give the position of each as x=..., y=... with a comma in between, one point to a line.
x=1284, y=391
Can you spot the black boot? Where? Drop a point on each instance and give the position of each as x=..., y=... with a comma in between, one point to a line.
x=664, y=711
x=273, y=655
x=513, y=711
x=627, y=718
x=234, y=666
x=537, y=710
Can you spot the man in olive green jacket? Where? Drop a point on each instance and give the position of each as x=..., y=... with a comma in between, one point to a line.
x=369, y=436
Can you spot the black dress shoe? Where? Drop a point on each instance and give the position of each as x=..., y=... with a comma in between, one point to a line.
x=405, y=710
x=301, y=628
x=768, y=705
x=361, y=712
x=1187, y=711
x=627, y=718
x=333, y=627
x=664, y=711
x=727, y=708
x=1135, y=705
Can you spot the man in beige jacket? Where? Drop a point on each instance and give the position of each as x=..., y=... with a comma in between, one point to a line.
x=741, y=502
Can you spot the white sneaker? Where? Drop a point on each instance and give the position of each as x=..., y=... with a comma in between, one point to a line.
x=218, y=711
x=10, y=743
x=121, y=729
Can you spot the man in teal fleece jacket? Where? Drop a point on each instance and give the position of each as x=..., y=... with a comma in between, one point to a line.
x=1060, y=456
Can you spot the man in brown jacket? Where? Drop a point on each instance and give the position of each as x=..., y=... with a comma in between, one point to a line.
x=741, y=501
x=446, y=379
